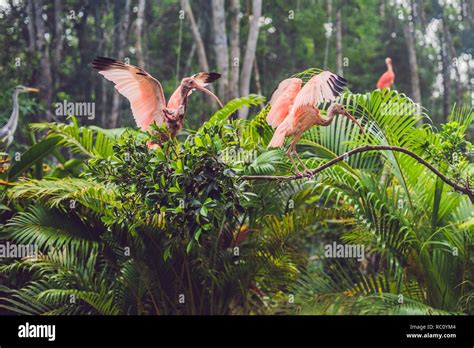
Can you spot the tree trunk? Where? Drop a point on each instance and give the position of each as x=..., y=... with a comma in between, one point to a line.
x=470, y=13
x=339, y=43
x=83, y=71
x=99, y=83
x=201, y=51
x=31, y=26
x=189, y=60
x=234, y=9
x=408, y=33
x=257, y=80
x=139, y=32
x=454, y=61
x=446, y=80
x=58, y=31
x=420, y=6
x=122, y=24
x=470, y=88
x=58, y=41
x=104, y=98
x=45, y=78
x=250, y=51
x=220, y=47
x=328, y=35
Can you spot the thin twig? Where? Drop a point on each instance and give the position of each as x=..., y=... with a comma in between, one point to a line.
x=455, y=186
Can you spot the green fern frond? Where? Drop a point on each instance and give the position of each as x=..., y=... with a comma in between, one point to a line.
x=81, y=140
x=222, y=115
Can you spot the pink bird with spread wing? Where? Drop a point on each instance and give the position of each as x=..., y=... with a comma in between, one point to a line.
x=146, y=96
x=294, y=109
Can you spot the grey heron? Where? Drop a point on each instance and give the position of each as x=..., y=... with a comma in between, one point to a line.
x=7, y=132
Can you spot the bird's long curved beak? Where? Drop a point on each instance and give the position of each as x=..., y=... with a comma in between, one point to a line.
x=31, y=89
x=208, y=92
x=353, y=119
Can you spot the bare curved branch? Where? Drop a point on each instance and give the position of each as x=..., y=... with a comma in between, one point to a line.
x=465, y=190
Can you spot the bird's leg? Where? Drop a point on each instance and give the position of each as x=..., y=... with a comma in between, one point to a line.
x=289, y=153
x=292, y=152
x=295, y=140
x=306, y=169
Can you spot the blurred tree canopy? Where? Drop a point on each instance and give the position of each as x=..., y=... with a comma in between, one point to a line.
x=50, y=44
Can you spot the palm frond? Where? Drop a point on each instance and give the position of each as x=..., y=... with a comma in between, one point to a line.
x=81, y=140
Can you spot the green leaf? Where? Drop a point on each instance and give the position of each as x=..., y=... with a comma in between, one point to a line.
x=189, y=246
x=167, y=253
x=70, y=167
x=33, y=155
x=203, y=211
x=179, y=166
x=198, y=141
x=84, y=140
x=197, y=234
x=232, y=106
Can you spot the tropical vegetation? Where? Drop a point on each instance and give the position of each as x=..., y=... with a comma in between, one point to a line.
x=122, y=229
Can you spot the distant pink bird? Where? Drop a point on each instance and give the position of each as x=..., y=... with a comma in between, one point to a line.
x=294, y=109
x=146, y=96
x=388, y=78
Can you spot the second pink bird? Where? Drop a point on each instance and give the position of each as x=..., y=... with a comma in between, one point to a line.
x=294, y=109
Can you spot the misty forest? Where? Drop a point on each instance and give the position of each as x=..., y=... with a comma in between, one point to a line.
x=236, y=157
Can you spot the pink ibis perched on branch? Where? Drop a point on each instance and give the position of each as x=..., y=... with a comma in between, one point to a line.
x=293, y=109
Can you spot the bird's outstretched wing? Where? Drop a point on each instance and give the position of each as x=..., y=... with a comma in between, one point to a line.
x=325, y=86
x=282, y=99
x=202, y=79
x=142, y=90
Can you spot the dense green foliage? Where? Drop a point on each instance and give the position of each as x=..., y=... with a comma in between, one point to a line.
x=129, y=230
x=124, y=229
